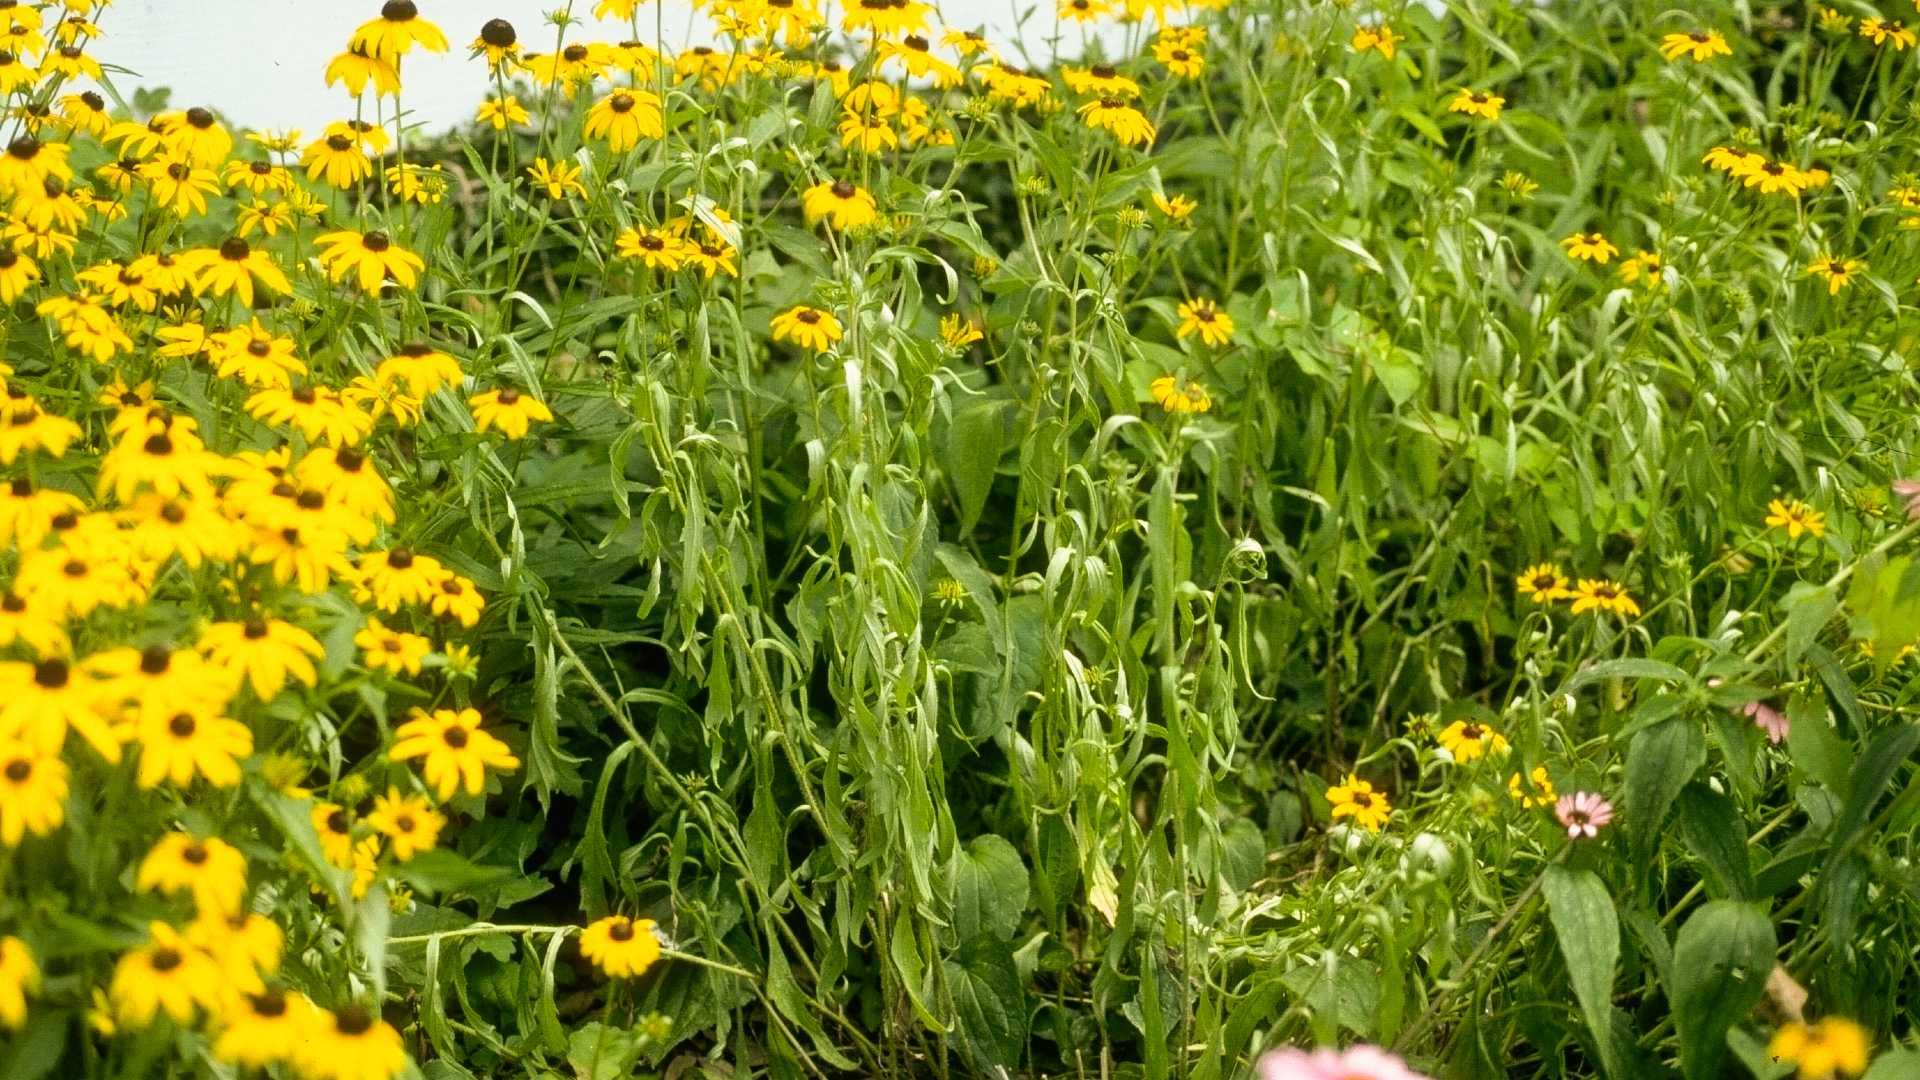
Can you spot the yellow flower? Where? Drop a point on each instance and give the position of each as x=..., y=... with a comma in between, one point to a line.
x=842, y=205
x=623, y=118
x=1831, y=1047
x=369, y=258
x=1180, y=396
x=1887, y=32
x=394, y=651
x=408, y=820
x=1599, y=594
x=167, y=974
x=263, y=652
x=33, y=794
x=1702, y=45
x=1590, y=247
x=807, y=327
x=507, y=410
x=212, y=870
x=1380, y=39
x=398, y=29
x=1647, y=267
x=1543, y=583
x=1837, y=273
x=177, y=743
x=1358, y=800
x=1176, y=208
x=1477, y=103
x=1124, y=122
x=18, y=976
x=1538, y=791
x=1771, y=177
x=1468, y=741
x=501, y=113
x=1796, y=517
x=1204, y=317
x=457, y=753
x=558, y=179
x=958, y=332
x=623, y=948
x=265, y=1028
x=350, y=1043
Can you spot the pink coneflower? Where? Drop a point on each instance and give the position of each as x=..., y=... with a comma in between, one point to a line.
x=1910, y=491
x=1767, y=719
x=1583, y=813
x=1355, y=1063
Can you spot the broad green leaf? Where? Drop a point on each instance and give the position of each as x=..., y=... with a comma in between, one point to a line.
x=1721, y=959
x=1660, y=761
x=1588, y=929
x=1710, y=825
x=989, y=1007
x=989, y=887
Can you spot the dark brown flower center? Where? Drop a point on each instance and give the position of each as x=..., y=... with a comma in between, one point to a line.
x=270, y=1004
x=456, y=737
x=164, y=959
x=234, y=249
x=183, y=726
x=356, y=1019
x=19, y=769
x=621, y=103
x=621, y=930
x=51, y=674
x=843, y=190
x=498, y=33
x=376, y=242
x=399, y=11
x=155, y=659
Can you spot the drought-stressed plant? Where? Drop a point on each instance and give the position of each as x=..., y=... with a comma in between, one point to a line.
x=1319, y=540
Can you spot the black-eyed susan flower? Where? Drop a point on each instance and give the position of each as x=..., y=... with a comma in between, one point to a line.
x=1887, y=32
x=710, y=256
x=556, y=179
x=19, y=976
x=1120, y=119
x=41, y=701
x=499, y=43
x=808, y=327
x=1358, y=800
x=260, y=1029
x=1646, y=268
x=1772, y=177
x=508, y=410
x=371, y=259
x=350, y=1043
x=1011, y=85
x=1379, y=38
x=85, y=112
x=28, y=162
x=17, y=272
x=1589, y=247
x=867, y=134
x=623, y=118
x=621, y=947
x=1181, y=61
x=655, y=249
x=842, y=205
x=1599, y=594
x=1478, y=103
x=338, y=159
x=395, y=33
x=1838, y=273
x=915, y=55
x=1179, y=395
x=456, y=598
x=165, y=975
x=178, y=744
x=1701, y=45
x=1205, y=318
x=1796, y=518
x=33, y=791
x=1543, y=583
x=1468, y=740
x=455, y=754
x=263, y=653
x=885, y=18
x=234, y=267
x=501, y=113
x=1831, y=1047
x=208, y=868
x=408, y=821
x=1536, y=790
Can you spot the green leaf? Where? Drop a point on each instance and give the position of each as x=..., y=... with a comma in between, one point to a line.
x=1870, y=778
x=1584, y=921
x=989, y=887
x=1660, y=761
x=1898, y=1065
x=989, y=1007
x=1628, y=668
x=1809, y=607
x=600, y=1051
x=1816, y=748
x=443, y=871
x=1721, y=960
x=976, y=437
x=1710, y=825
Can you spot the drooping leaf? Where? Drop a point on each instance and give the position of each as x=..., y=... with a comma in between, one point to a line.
x=1588, y=930
x=1721, y=959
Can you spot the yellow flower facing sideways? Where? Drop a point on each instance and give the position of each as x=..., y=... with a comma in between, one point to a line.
x=1358, y=800
x=1468, y=741
x=1701, y=45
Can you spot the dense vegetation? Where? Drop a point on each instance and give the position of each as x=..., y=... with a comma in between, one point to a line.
x=1368, y=535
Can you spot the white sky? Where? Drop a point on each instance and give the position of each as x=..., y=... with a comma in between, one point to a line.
x=260, y=61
